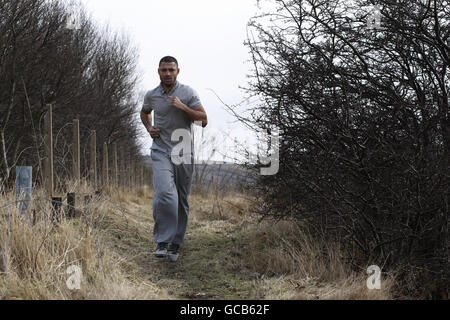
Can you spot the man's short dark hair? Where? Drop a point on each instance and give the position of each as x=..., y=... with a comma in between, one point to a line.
x=168, y=59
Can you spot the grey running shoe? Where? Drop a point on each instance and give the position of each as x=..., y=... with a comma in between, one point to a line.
x=161, y=250
x=172, y=252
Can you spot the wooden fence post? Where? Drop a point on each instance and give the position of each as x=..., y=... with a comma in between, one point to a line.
x=105, y=176
x=56, y=212
x=134, y=176
x=129, y=176
x=146, y=176
x=48, y=163
x=76, y=152
x=122, y=168
x=93, y=154
x=71, y=205
x=115, y=168
x=131, y=165
x=134, y=170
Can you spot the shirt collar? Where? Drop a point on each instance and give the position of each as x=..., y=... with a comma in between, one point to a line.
x=161, y=88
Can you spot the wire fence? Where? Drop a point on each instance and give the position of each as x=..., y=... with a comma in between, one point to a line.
x=58, y=212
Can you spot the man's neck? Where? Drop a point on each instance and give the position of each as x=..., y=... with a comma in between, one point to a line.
x=167, y=89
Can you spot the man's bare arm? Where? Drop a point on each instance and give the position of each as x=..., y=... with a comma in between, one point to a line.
x=146, y=119
x=198, y=114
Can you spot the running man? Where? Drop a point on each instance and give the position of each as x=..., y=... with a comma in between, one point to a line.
x=176, y=106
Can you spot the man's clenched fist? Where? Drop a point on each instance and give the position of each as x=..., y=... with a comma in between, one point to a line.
x=176, y=103
x=154, y=132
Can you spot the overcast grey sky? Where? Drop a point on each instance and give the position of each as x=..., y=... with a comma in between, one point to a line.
x=206, y=36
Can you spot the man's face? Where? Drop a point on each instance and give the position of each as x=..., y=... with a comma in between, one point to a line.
x=168, y=72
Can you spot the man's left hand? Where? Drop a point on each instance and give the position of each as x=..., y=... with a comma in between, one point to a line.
x=176, y=103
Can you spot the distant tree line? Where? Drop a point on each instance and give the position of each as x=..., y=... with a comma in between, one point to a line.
x=86, y=73
x=361, y=97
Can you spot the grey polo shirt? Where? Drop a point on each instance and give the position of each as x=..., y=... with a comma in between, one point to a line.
x=168, y=118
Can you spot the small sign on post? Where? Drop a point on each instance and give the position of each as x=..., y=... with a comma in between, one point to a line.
x=24, y=181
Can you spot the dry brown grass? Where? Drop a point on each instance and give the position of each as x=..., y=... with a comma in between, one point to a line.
x=304, y=268
x=285, y=261
x=227, y=254
x=38, y=256
x=214, y=206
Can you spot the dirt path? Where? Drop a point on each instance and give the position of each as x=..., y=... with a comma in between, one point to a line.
x=209, y=266
x=216, y=257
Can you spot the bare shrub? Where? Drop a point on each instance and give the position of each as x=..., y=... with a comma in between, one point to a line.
x=364, y=117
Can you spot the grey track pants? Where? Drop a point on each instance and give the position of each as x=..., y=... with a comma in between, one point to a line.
x=172, y=184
